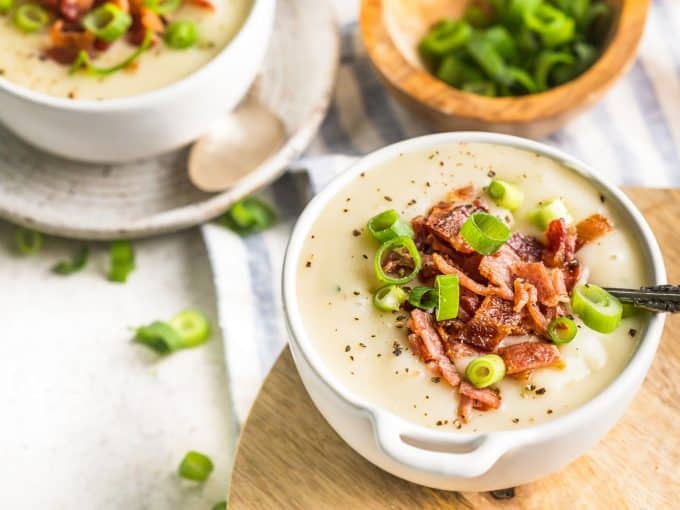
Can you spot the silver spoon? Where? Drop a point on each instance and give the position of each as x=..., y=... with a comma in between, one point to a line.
x=237, y=144
x=660, y=298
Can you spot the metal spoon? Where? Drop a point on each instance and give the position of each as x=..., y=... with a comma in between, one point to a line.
x=660, y=298
x=235, y=145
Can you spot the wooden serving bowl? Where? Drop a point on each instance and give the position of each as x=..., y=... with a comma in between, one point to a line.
x=391, y=30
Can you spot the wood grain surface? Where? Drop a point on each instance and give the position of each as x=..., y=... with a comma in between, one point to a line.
x=391, y=29
x=289, y=457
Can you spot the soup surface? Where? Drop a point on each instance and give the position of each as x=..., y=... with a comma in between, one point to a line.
x=367, y=350
x=22, y=58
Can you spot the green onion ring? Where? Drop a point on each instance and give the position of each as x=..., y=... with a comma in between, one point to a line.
x=78, y=262
x=388, y=225
x=485, y=233
x=423, y=297
x=82, y=61
x=505, y=195
x=389, y=298
x=485, y=371
x=195, y=466
x=444, y=37
x=181, y=34
x=598, y=309
x=160, y=337
x=108, y=22
x=545, y=63
x=30, y=17
x=122, y=261
x=448, y=296
x=552, y=25
x=548, y=211
x=392, y=245
x=192, y=325
x=562, y=330
x=27, y=241
x=248, y=216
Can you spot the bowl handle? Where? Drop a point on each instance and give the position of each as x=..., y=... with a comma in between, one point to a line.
x=481, y=451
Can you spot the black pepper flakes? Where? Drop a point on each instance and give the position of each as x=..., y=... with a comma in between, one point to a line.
x=491, y=174
x=436, y=379
x=396, y=349
x=439, y=423
x=503, y=493
x=352, y=358
x=356, y=293
x=361, y=344
x=356, y=232
x=388, y=198
x=308, y=263
x=549, y=411
x=427, y=183
x=347, y=348
x=364, y=256
x=540, y=391
x=602, y=199
x=345, y=210
x=632, y=332
x=515, y=420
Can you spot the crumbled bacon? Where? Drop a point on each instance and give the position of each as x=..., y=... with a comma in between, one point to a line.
x=497, y=269
x=528, y=356
x=591, y=229
x=561, y=244
x=74, y=10
x=528, y=248
x=203, y=4
x=445, y=220
x=445, y=267
x=429, y=346
x=540, y=277
x=482, y=398
x=67, y=43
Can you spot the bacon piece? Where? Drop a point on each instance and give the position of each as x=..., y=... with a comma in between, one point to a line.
x=430, y=347
x=494, y=320
x=482, y=398
x=521, y=296
x=143, y=20
x=528, y=356
x=445, y=220
x=203, y=4
x=465, y=281
x=464, y=408
x=74, y=10
x=540, y=277
x=464, y=194
x=528, y=248
x=591, y=229
x=561, y=244
x=535, y=313
x=66, y=43
x=497, y=268
x=460, y=350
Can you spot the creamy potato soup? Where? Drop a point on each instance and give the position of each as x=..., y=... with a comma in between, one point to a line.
x=24, y=61
x=368, y=350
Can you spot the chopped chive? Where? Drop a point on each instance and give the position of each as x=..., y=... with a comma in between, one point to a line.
x=505, y=194
x=562, y=330
x=546, y=212
x=389, y=298
x=596, y=307
x=448, y=296
x=78, y=262
x=403, y=247
x=160, y=337
x=108, y=22
x=122, y=261
x=425, y=298
x=28, y=241
x=485, y=233
x=388, y=225
x=485, y=370
x=192, y=325
x=195, y=466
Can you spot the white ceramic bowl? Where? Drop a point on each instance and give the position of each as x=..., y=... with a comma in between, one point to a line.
x=470, y=461
x=118, y=130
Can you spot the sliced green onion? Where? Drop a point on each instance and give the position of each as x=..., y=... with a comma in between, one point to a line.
x=443, y=38
x=423, y=297
x=192, y=325
x=388, y=225
x=485, y=233
x=108, y=22
x=485, y=371
x=517, y=10
x=548, y=211
x=546, y=61
x=552, y=25
x=448, y=296
x=489, y=60
x=162, y=7
x=248, y=216
x=586, y=55
x=481, y=88
x=160, y=337
x=598, y=309
x=222, y=505
x=82, y=61
x=502, y=41
x=195, y=466
x=454, y=71
x=78, y=262
x=27, y=241
x=5, y=5
x=122, y=261
x=30, y=17
x=181, y=34
x=505, y=195
x=389, y=298
x=562, y=330
x=395, y=245
x=522, y=82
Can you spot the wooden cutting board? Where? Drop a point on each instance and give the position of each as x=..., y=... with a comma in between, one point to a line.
x=289, y=457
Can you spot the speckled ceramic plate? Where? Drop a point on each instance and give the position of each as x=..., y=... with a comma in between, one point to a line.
x=151, y=197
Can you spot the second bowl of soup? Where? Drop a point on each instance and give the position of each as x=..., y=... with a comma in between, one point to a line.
x=448, y=313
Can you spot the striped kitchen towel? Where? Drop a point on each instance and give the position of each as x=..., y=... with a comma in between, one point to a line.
x=632, y=137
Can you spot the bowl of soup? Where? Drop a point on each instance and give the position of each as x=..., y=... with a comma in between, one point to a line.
x=448, y=313
x=122, y=80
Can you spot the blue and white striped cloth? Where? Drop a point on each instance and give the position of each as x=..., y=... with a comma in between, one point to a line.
x=632, y=137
